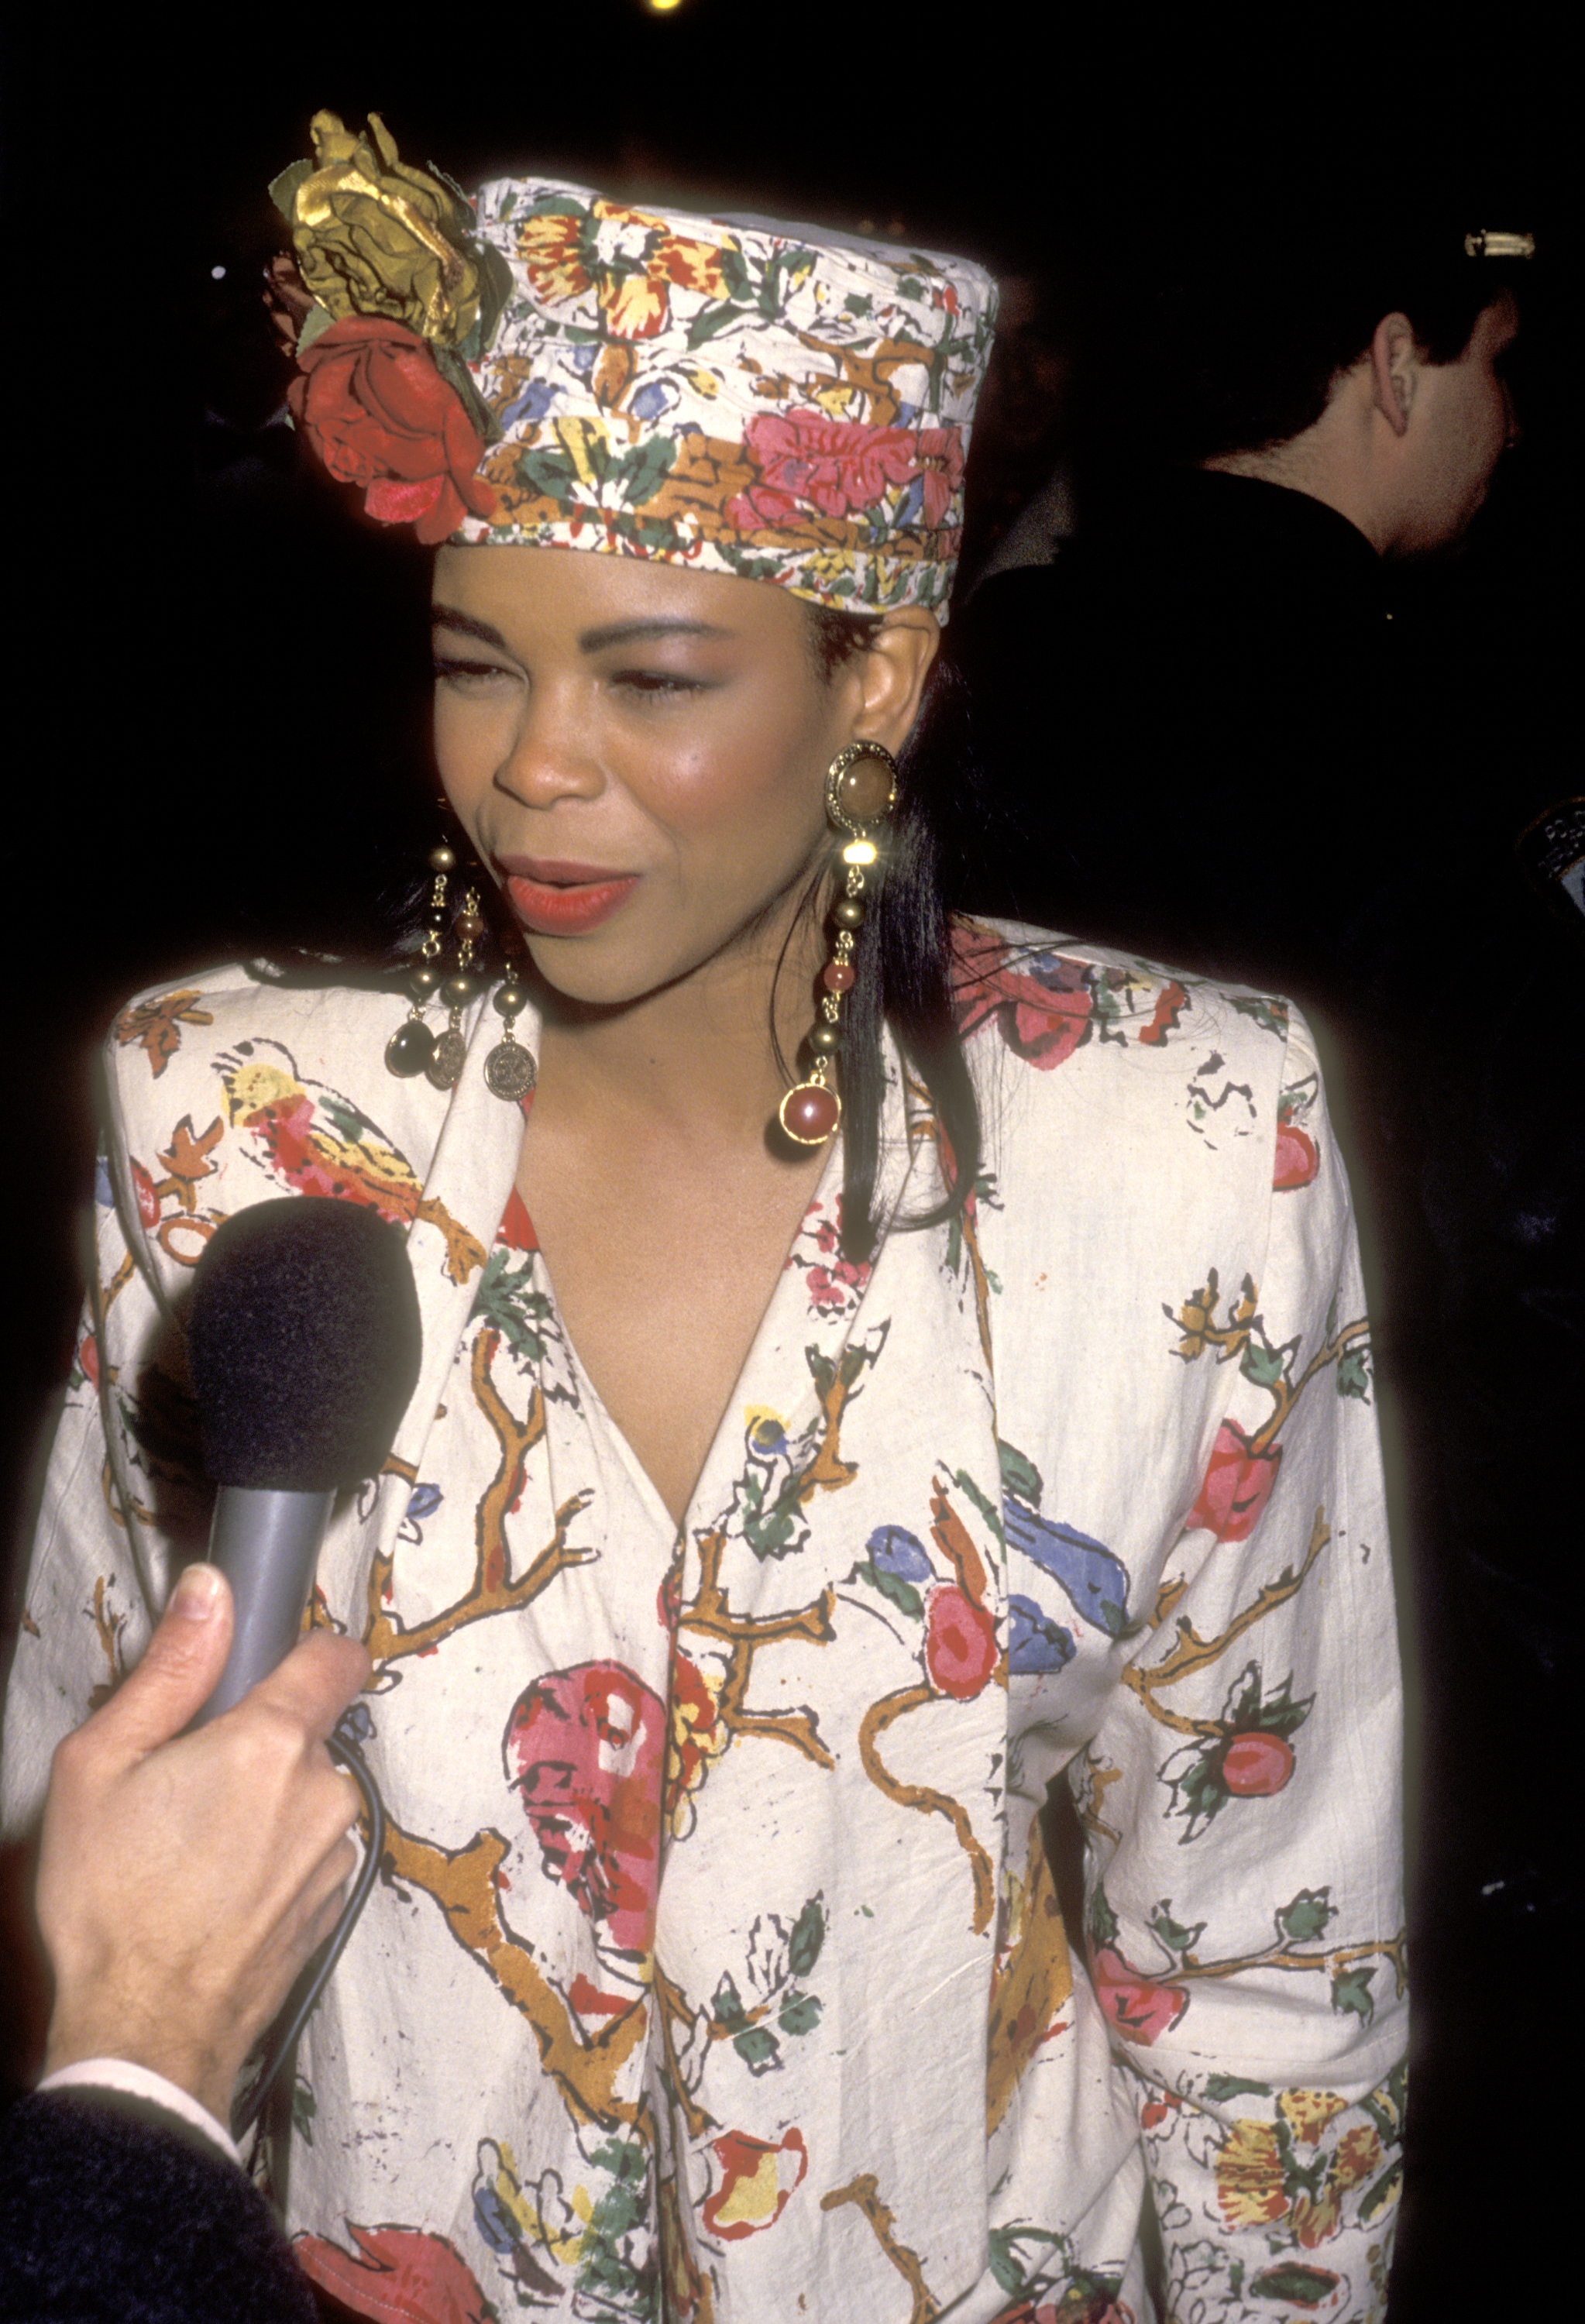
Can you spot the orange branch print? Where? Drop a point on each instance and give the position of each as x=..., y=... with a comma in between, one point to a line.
x=876, y=1721
x=385, y=1636
x=863, y=2193
x=1280, y=1956
x=1033, y=1984
x=711, y=1617
x=463, y=1883
x=1193, y=1653
x=673, y=2010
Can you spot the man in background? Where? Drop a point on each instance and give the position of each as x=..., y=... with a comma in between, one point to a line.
x=1256, y=720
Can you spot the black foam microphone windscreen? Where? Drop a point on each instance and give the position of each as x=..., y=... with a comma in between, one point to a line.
x=303, y=1343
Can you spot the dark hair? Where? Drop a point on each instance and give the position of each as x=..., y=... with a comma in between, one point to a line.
x=902, y=957
x=1237, y=338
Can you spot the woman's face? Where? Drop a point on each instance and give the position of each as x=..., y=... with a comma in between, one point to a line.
x=637, y=753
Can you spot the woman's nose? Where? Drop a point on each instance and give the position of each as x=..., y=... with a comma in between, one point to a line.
x=552, y=755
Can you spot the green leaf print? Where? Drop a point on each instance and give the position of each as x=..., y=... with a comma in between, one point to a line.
x=1350, y=1992
x=1264, y=1366
x=757, y=2048
x=305, y=2106
x=1383, y=2195
x=799, y=2014
x=1221, y=2087
x=727, y=2007
x=710, y=320
x=1353, y=1372
x=808, y=1936
x=1307, y=1916
x=604, y=2270
x=987, y=1508
x=902, y=1593
x=1020, y=1476
x=1102, y=1918
x=1173, y=1933
x=1305, y=2287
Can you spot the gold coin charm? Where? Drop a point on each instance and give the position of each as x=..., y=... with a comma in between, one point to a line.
x=451, y=1054
x=510, y=1070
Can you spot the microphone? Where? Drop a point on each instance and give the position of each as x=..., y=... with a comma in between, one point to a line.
x=304, y=1344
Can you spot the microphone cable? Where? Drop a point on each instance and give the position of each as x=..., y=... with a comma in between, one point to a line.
x=302, y=2000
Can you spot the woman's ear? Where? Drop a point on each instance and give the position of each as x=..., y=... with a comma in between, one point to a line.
x=890, y=676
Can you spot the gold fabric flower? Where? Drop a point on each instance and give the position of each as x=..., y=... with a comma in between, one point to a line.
x=375, y=237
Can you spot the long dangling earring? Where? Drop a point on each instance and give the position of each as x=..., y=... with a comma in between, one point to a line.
x=509, y=1068
x=410, y=1049
x=450, y=1052
x=861, y=791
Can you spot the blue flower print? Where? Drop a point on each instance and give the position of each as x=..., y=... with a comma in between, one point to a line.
x=1037, y=1647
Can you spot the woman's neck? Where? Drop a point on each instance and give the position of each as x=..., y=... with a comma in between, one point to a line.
x=696, y=1056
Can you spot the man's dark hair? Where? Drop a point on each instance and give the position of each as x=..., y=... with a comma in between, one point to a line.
x=1243, y=326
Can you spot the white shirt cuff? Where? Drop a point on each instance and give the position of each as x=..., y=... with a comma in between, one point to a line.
x=139, y=2082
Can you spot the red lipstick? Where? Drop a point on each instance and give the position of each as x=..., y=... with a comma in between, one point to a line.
x=554, y=899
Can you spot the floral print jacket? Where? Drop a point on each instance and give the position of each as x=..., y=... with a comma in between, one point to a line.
x=716, y=1971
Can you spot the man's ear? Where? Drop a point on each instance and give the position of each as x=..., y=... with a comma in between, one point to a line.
x=1395, y=370
x=891, y=676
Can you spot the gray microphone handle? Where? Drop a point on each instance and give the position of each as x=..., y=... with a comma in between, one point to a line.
x=267, y=1544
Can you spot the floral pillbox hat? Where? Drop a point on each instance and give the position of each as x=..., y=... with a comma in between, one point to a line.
x=550, y=368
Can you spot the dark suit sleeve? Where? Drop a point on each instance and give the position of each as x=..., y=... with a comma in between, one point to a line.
x=114, y=2212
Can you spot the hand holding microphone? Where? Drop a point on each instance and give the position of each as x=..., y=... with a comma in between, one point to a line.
x=185, y=1878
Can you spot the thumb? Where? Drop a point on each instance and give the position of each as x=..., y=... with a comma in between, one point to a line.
x=181, y=1668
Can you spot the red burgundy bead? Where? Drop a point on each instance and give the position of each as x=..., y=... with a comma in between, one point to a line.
x=837, y=975
x=810, y=1113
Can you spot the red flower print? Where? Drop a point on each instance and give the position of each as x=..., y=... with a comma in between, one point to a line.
x=757, y=2182
x=400, y=2273
x=584, y=1747
x=697, y=1733
x=839, y=466
x=1257, y=1764
x=380, y=414
x=1296, y=1161
x=1039, y=1002
x=1238, y=1485
x=960, y=1643
x=516, y=1230
x=1139, y=2008
x=148, y=1201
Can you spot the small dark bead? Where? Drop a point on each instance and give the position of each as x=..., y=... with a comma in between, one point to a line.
x=825, y=1039
x=423, y=981
x=409, y=1048
x=458, y=990
x=510, y=999
x=848, y=912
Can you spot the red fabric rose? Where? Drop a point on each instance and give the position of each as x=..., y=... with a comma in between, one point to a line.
x=380, y=415
x=1238, y=1485
x=960, y=1643
x=1138, y=2008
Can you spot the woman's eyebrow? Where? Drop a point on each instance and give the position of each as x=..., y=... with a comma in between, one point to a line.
x=447, y=617
x=626, y=634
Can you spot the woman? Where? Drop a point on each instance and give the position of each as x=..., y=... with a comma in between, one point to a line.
x=777, y=1514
